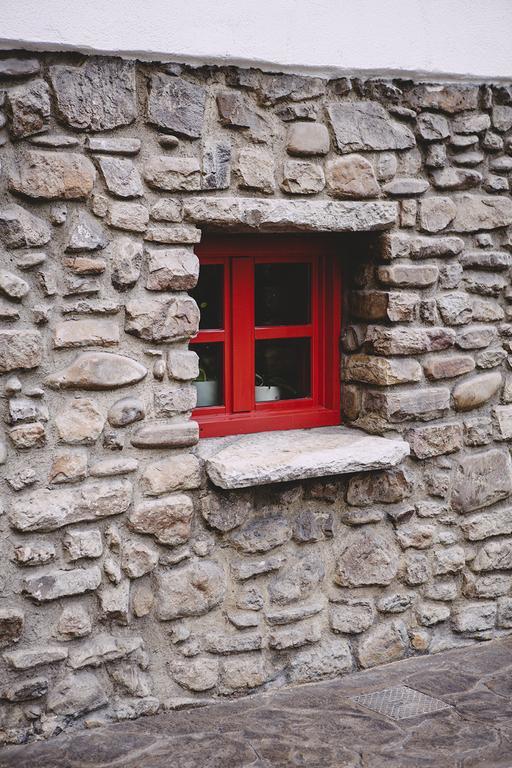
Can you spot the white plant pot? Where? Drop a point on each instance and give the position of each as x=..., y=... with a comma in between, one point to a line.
x=207, y=393
x=266, y=394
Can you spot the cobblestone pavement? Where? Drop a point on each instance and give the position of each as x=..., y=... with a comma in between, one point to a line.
x=453, y=710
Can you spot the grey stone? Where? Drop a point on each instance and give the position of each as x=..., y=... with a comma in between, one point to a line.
x=13, y=286
x=175, y=318
x=75, y=695
x=172, y=174
x=378, y=487
x=365, y=125
x=21, y=229
x=476, y=337
x=406, y=186
x=329, y=658
x=436, y=213
x=121, y=177
x=131, y=217
x=166, y=435
x=261, y=535
x=408, y=341
x=28, y=107
x=274, y=88
x=298, y=612
x=476, y=212
x=168, y=519
x=27, y=658
x=97, y=371
x=109, y=467
x=56, y=584
x=171, y=269
x=471, y=123
x=50, y=175
x=176, y=105
x=126, y=259
x=474, y=617
x=26, y=690
x=494, y=556
x=429, y=614
x=401, y=245
x=34, y=554
x=432, y=127
x=491, y=260
x=306, y=138
x=304, y=634
x=481, y=480
x=98, y=95
x=256, y=170
x=113, y=146
x=486, y=524
x=241, y=643
x=246, y=569
x=179, y=234
x=216, y=173
x=395, y=603
x=504, y=617
x=302, y=178
x=199, y=674
x=291, y=215
x=296, y=580
x=79, y=543
x=352, y=616
x=366, y=557
x=256, y=460
x=102, y=649
x=47, y=510
x=455, y=308
x=450, y=179
x=408, y=275
x=190, y=590
x=18, y=67
x=502, y=117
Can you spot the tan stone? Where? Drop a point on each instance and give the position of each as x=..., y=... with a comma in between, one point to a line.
x=173, y=173
x=176, y=473
x=380, y=370
x=302, y=178
x=79, y=422
x=435, y=440
x=68, y=468
x=49, y=175
x=83, y=333
x=436, y=213
x=168, y=519
x=385, y=643
x=448, y=367
x=256, y=170
x=476, y=391
x=351, y=177
x=306, y=138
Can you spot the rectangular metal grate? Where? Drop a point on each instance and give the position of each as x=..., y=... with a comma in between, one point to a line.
x=400, y=702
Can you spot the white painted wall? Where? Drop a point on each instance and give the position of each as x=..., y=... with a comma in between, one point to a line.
x=469, y=38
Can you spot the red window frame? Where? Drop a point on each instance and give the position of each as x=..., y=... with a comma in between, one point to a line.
x=240, y=413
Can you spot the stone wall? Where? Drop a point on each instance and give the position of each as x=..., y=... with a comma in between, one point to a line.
x=129, y=582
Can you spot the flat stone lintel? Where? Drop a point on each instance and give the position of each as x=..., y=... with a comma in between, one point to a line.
x=253, y=213
x=276, y=457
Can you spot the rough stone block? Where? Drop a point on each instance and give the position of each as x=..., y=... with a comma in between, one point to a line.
x=190, y=590
x=168, y=519
x=482, y=479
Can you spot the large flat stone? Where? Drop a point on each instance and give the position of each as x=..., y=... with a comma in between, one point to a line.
x=271, y=457
x=291, y=215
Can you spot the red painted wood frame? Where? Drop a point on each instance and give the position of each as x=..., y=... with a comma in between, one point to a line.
x=238, y=255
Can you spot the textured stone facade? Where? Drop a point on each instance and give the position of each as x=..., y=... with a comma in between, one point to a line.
x=130, y=583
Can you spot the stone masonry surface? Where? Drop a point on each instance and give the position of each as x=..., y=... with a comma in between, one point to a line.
x=130, y=583
x=451, y=710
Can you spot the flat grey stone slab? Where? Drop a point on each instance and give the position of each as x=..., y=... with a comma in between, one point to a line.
x=291, y=215
x=276, y=457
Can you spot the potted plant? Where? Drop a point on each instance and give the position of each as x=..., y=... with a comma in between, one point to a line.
x=265, y=391
x=207, y=390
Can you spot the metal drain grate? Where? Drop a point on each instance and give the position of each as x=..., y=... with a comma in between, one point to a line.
x=400, y=702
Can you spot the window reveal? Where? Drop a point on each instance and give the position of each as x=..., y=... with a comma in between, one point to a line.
x=268, y=340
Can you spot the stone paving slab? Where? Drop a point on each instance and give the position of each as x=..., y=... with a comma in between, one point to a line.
x=326, y=725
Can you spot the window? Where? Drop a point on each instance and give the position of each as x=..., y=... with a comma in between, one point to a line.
x=268, y=340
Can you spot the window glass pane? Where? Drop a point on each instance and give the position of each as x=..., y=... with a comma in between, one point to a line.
x=209, y=383
x=283, y=369
x=209, y=295
x=282, y=294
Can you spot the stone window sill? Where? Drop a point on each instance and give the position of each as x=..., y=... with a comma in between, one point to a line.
x=241, y=461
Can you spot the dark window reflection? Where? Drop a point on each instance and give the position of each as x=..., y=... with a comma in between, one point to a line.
x=209, y=295
x=282, y=294
x=209, y=383
x=283, y=369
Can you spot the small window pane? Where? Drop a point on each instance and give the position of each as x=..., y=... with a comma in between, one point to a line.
x=283, y=294
x=209, y=295
x=209, y=383
x=283, y=369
